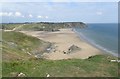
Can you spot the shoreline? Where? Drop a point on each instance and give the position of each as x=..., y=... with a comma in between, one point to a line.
x=62, y=40
x=104, y=50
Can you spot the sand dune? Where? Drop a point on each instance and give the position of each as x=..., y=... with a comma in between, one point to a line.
x=63, y=39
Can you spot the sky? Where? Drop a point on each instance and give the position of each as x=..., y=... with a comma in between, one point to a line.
x=59, y=11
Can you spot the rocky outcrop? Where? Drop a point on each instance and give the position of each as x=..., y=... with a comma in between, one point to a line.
x=72, y=49
x=76, y=24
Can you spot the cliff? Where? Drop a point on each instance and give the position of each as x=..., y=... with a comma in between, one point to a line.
x=76, y=24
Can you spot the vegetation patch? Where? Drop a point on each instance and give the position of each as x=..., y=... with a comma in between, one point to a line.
x=18, y=46
x=63, y=68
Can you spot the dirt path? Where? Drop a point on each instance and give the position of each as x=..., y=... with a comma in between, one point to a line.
x=18, y=27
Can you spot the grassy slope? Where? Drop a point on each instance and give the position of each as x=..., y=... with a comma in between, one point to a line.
x=0, y=69
x=97, y=66
x=10, y=26
x=41, y=27
x=34, y=26
x=0, y=54
x=16, y=45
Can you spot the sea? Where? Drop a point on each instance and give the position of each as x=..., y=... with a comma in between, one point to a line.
x=104, y=36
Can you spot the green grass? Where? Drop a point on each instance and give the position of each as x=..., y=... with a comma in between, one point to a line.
x=40, y=27
x=9, y=26
x=16, y=44
x=34, y=26
x=101, y=67
x=1, y=69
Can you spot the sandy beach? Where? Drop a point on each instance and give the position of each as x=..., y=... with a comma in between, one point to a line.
x=63, y=40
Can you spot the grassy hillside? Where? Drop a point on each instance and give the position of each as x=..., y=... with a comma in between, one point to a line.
x=97, y=66
x=33, y=26
x=42, y=26
x=9, y=26
x=17, y=46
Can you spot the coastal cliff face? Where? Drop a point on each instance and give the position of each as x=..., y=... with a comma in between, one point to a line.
x=76, y=24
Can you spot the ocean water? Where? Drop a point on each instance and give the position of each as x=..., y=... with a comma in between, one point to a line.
x=103, y=36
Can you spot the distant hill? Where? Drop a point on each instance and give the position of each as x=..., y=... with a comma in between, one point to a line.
x=42, y=26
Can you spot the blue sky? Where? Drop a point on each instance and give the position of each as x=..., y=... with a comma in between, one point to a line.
x=88, y=12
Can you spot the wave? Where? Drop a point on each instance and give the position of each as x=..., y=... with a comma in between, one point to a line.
x=93, y=43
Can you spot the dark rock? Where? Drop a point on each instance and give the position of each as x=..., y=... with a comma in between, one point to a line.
x=64, y=52
x=73, y=48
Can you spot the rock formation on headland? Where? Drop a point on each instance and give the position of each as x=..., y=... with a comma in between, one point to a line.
x=76, y=24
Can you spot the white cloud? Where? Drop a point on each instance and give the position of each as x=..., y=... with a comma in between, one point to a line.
x=99, y=13
x=3, y=13
x=46, y=17
x=42, y=17
x=10, y=14
x=39, y=16
x=6, y=13
x=18, y=14
x=30, y=15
